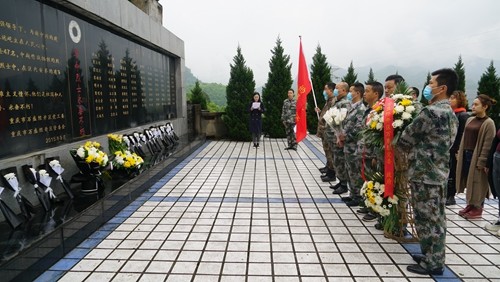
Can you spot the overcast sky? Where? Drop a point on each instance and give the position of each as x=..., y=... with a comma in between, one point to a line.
x=368, y=32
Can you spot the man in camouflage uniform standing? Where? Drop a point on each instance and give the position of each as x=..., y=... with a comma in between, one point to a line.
x=336, y=144
x=328, y=170
x=429, y=137
x=288, y=114
x=353, y=124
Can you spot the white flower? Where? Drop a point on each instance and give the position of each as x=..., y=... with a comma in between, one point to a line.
x=81, y=152
x=379, y=126
x=410, y=109
x=399, y=108
x=54, y=163
x=397, y=96
x=10, y=176
x=397, y=123
x=393, y=200
x=406, y=116
x=43, y=172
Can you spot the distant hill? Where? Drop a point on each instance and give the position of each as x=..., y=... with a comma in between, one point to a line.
x=215, y=91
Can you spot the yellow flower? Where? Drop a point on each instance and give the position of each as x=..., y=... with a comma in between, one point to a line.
x=126, y=164
x=89, y=159
x=405, y=102
x=373, y=124
x=378, y=109
x=370, y=185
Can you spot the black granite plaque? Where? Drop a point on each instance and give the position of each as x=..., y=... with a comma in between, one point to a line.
x=64, y=78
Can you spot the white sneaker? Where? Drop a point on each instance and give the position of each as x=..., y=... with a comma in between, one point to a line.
x=493, y=227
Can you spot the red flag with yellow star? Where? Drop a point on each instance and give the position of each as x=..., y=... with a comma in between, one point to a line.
x=303, y=88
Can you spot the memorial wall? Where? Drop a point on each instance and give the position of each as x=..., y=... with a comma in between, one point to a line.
x=63, y=78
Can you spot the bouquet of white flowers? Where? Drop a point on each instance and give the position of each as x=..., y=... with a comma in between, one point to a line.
x=56, y=167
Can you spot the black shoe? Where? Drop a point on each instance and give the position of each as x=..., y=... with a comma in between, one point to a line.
x=287, y=148
x=255, y=145
x=418, y=257
x=369, y=217
x=323, y=169
x=346, y=199
x=293, y=148
x=340, y=190
x=328, y=178
x=353, y=203
x=416, y=268
x=363, y=210
x=379, y=226
x=336, y=186
x=450, y=201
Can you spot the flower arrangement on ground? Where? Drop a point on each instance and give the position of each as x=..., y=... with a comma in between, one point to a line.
x=127, y=160
x=116, y=143
x=386, y=192
x=92, y=153
x=374, y=196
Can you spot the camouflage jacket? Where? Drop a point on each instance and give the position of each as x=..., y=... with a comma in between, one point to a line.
x=354, y=122
x=429, y=138
x=289, y=111
x=321, y=123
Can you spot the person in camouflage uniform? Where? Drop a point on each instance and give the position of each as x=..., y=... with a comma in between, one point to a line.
x=288, y=114
x=328, y=170
x=429, y=137
x=372, y=159
x=353, y=124
x=336, y=144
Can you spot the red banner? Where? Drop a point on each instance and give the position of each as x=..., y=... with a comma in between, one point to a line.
x=303, y=88
x=388, y=150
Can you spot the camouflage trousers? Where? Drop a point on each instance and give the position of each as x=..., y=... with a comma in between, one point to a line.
x=290, y=135
x=353, y=162
x=328, y=153
x=338, y=160
x=430, y=221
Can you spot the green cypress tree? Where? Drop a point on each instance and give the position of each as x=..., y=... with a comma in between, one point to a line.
x=427, y=81
x=460, y=70
x=371, y=77
x=239, y=93
x=321, y=74
x=274, y=92
x=350, y=77
x=198, y=96
x=489, y=84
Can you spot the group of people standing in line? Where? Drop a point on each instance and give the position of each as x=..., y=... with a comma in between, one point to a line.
x=449, y=151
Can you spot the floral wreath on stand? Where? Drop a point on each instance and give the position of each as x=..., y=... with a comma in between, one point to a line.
x=386, y=192
x=123, y=159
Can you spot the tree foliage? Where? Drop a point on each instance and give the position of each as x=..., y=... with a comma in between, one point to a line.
x=239, y=92
x=489, y=84
x=427, y=81
x=371, y=77
x=460, y=70
x=274, y=92
x=321, y=74
x=198, y=96
x=351, y=77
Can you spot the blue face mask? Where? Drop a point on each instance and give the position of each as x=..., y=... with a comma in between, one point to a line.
x=427, y=93
x=336, y=92
x=325, y=95
x=349, y=96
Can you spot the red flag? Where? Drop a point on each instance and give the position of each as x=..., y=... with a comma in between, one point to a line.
x=303, y=88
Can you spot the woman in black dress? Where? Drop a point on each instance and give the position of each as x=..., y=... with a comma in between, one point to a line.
x=256, y=109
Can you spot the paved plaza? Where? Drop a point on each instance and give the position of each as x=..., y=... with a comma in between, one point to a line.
x=230, y=212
